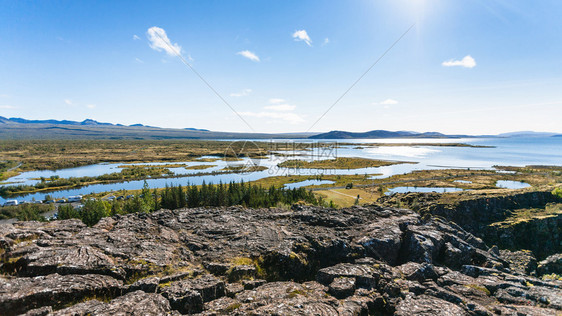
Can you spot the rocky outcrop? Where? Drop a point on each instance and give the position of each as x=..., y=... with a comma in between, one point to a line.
x=550, y=265
x=236, y=261
x=485, y=214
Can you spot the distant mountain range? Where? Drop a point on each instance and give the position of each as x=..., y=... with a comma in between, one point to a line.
x=19, y=128
x=383, y=134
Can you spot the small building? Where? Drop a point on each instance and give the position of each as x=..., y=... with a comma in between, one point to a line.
x=75, y=198
x=11, y=203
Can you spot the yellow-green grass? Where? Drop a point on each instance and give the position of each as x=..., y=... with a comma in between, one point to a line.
x=347, y=197
x=199, y=167
x=59, y=154
x=524, y=215
x=338, y=163
x=339, y=180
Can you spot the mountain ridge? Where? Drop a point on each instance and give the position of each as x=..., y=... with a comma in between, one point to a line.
x=20, y=128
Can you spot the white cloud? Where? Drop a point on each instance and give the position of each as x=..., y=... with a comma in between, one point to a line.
x=242, y=93
x=248, y=54
x=389, y=102
x=326, y=41
x=136, y=37
x=301, y=35
x=290, y=118
x=138, y=60
x=68, y=102
x=280, y=107
x=276, y=100
x=91, y=106
x=159, y=41
x=467, y=62
x=7, y=107
x=4, y=95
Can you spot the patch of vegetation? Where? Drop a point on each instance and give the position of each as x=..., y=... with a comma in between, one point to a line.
x=175, y=197
x=338, y=163
x=523, y=215
x=25, y=212
x=295, y=292
x=8, y=169
x=232, y=307
x=199, y=167
x=552, y=277
x=244, y=168
x=480, y=288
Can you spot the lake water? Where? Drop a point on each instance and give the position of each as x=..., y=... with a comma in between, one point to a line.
x=307, y=182
x=511, y=184
x=506, y=152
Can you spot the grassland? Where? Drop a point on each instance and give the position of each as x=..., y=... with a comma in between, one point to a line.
x=523, y=215
x=199, y=167
x=58, y=154
x=338, y=163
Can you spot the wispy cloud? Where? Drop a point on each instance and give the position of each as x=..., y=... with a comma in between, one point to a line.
x=7, y=107
x=138, y=60
x=389, y=102
x=301, y=35
x=91, y=106
x=278, y=110
x=280, y=107
x=276, y=100
x=248, y=54
x=466, y=62
x=326, y=41
x=278, y=104
x=159, y=41
x=136, y=37
x=68, y=102
x=291, y=118
x=4, y=95
x=242, y=93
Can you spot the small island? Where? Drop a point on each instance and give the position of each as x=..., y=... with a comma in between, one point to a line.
x=338, y=163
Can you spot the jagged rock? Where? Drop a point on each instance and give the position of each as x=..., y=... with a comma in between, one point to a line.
x=552, y=264
x=217, y=268
x=17, y=295
x=252, y=284
x=69, y=260
x=342, y=287
x=188, y=296
x=377, y=260
x=148, y=285
x=232, y=289
x=134, y=303
x=364, y=275
x=242, y=272
x=42, y=311
x=418, y=271
x=522, y=261
x=287, y=298
x=184, y=300
x=427, y=305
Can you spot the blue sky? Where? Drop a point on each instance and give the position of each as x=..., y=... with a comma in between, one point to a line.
x=465, y=67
